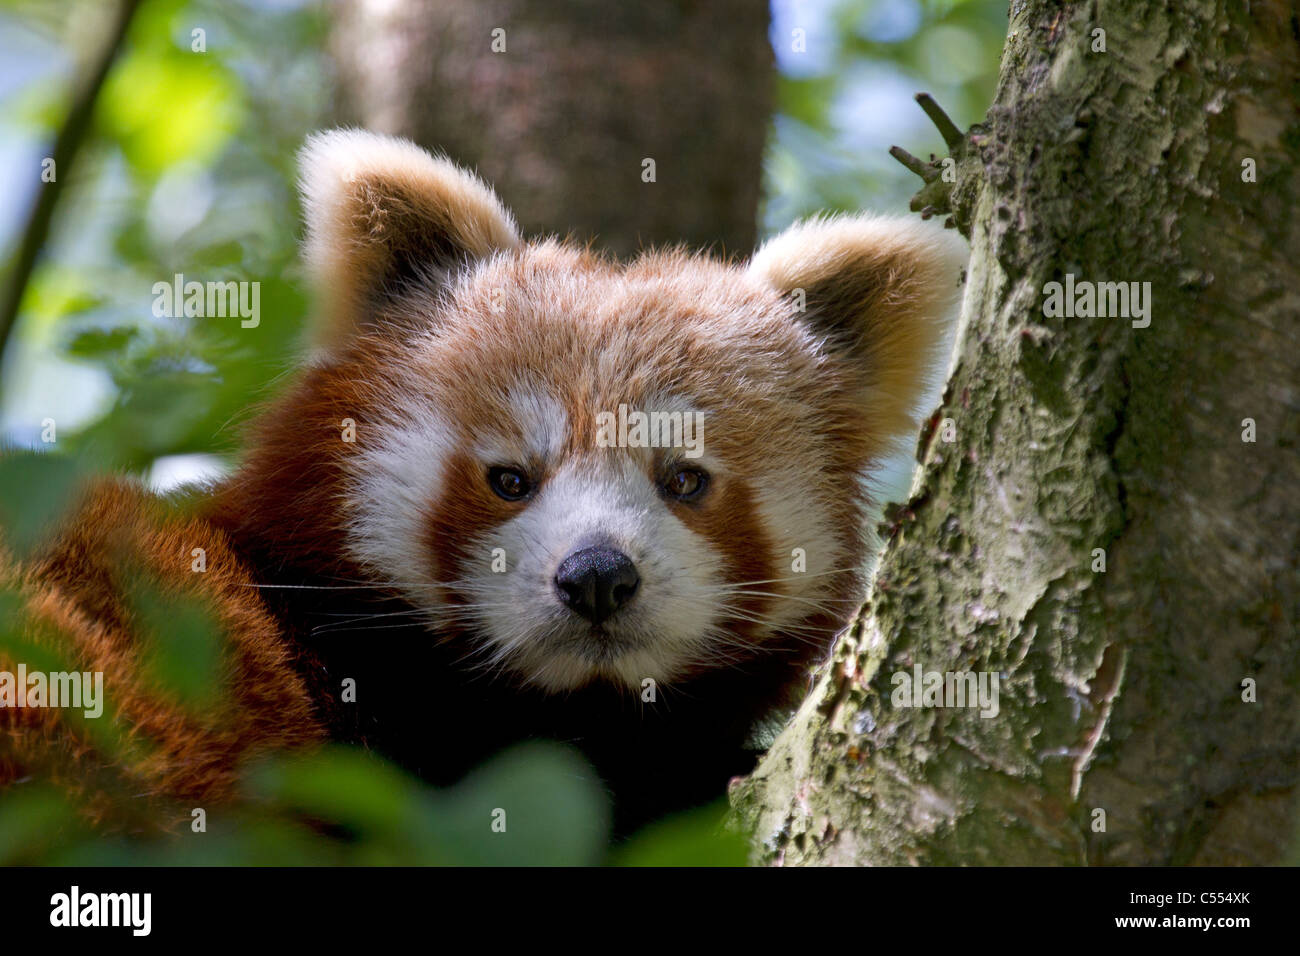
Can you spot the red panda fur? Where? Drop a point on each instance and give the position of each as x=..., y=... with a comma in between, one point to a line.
x=430, y=297
x=74, y=602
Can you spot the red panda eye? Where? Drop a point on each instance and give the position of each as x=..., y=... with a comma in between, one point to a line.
x=509, y=483
x=686, y=483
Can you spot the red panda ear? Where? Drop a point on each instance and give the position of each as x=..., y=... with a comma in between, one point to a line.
x=380, y=212
x=881, y=292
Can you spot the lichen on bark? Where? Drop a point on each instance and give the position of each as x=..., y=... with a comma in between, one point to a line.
x=1121, y=690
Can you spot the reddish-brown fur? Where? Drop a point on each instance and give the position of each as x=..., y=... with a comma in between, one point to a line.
x=820, y=396
x=77, y=603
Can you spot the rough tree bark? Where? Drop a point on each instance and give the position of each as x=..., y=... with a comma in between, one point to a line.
x=562, y=119
x=1123, y=688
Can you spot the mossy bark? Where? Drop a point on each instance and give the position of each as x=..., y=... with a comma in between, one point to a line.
x=1122, y=736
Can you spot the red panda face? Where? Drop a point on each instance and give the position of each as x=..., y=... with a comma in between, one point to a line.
x=605, y=473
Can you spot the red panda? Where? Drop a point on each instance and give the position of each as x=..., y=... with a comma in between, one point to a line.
x=457, y=506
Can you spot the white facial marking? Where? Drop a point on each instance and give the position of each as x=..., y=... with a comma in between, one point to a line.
x=538, y=418
x=396, y=477
x=665, y=625
x=681, y=613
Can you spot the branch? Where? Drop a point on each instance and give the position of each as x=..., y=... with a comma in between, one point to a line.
x=918, y=166
x=66, y=146
x=952, y=136
x=936, y=195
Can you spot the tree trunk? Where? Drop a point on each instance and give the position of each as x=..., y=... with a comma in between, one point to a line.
x=563, y=119
x=1127, y=732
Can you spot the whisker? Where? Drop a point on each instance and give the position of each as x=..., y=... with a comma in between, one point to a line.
x=373, y=627
x=819, y=605
x=795, y=577
x=316, y=587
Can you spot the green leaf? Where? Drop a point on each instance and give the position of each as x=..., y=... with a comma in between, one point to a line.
x=182, y=646
x=100, y=343
x=696, y=838
x=165, y=106
x=342, y=786
x=33, y=818
x=34, y=490
x=538, y=804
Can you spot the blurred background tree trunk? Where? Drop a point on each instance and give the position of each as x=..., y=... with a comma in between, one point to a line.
x=561, y=109
x=1149, y=711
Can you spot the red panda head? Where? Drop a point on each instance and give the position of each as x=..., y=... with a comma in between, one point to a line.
x=591, y=471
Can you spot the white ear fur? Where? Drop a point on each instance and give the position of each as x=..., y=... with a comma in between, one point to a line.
x=378, y=206
x=880, y=291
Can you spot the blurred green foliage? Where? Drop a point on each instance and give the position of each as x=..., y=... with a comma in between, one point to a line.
x=841, y=106
x=536, y=805
x=34, y=490
x=180, y=646
x=189, y=170
x=699, y=838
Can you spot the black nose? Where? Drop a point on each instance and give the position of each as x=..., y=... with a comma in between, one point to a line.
x=596, y=582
